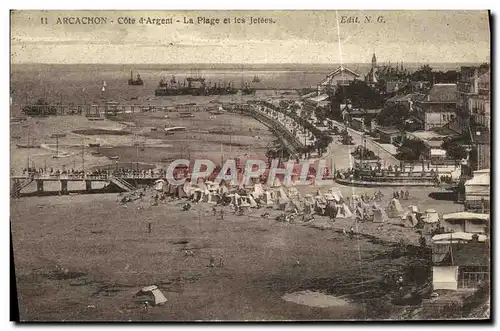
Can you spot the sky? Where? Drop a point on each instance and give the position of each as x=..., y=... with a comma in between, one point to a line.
x=295, y=37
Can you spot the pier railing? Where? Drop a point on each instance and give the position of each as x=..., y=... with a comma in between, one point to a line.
x=104, y=176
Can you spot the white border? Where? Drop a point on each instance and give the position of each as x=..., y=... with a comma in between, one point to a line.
x=254, y=4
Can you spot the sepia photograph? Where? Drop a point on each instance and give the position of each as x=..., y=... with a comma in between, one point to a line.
x=250, y=165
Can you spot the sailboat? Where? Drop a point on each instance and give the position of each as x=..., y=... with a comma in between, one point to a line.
x=103, y=89
x=28, y=144
x=256, y=79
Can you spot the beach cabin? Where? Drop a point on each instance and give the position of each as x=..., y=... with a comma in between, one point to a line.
x=459, y=266
x=465, y=222
x=477, y=191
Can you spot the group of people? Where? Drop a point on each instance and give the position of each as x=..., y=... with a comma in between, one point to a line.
x=402, y=195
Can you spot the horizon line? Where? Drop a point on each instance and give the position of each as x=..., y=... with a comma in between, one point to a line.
x=239, y=63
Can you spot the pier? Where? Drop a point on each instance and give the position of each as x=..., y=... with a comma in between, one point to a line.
x=91, y=110
x=124, y=183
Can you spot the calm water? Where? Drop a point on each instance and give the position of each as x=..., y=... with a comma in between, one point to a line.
x=83, y=83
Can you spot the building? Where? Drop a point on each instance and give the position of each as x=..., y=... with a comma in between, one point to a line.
x=432, y=141
x=460, y=264
x=392, y=78
x=480, y=102
x=388, y=135
x=406, y=100
x=477, y=191
x=466, y=222
x=473, y=99
x=358, y=123
x=438, y=108
x=342, y=76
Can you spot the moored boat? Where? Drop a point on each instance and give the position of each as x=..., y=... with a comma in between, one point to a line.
x=28, y=146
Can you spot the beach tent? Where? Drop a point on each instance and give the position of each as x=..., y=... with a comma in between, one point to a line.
x=187, y=189
x=343, y=211
x=267, y=198
x=379, y=215
x=413, y=209
x=477, y=189
x=151, y=294
x=410, y=220
x=309, y=203
x=235, y=199
x=172, y=189
x=337, y=195
x=328, y=197
x=431, y=216
x=258, y=191
x=394, y=209
x=359, y=212
x=251, y=201
x=160, y=184
x=197, y=194
x=223, y=190
x=293, y=193
x=209, y=197
x=277, y=182
x=281, y=196
x=243, y=201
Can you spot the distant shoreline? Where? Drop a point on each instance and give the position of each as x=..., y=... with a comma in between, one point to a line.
x=242, y=66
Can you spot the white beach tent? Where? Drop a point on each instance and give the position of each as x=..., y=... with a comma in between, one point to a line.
x=455, y=237
x=478, y=187
x=394, y=209
x=187, y=188
x=151, y=294
x=251, y=202
x=337, y=195
x=267, y=198
x=379, y=215
x=258, y=191
x=281, y=196
x=309, y=203
x=160, y=185
x=276, y=183
x=209, y=197
x=293, y=193
x=197, y=194
x=431, y=216
x=343, y=211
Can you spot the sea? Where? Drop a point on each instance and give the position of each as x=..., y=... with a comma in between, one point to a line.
x=82, y=83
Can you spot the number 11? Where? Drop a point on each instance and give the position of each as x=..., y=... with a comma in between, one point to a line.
x=44, y=20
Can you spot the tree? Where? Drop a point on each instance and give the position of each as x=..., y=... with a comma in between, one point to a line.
x=424, y=73
x=394, y=115
x=411, y=150
x=41, y=107
x=360, y=94
x=454, y=149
